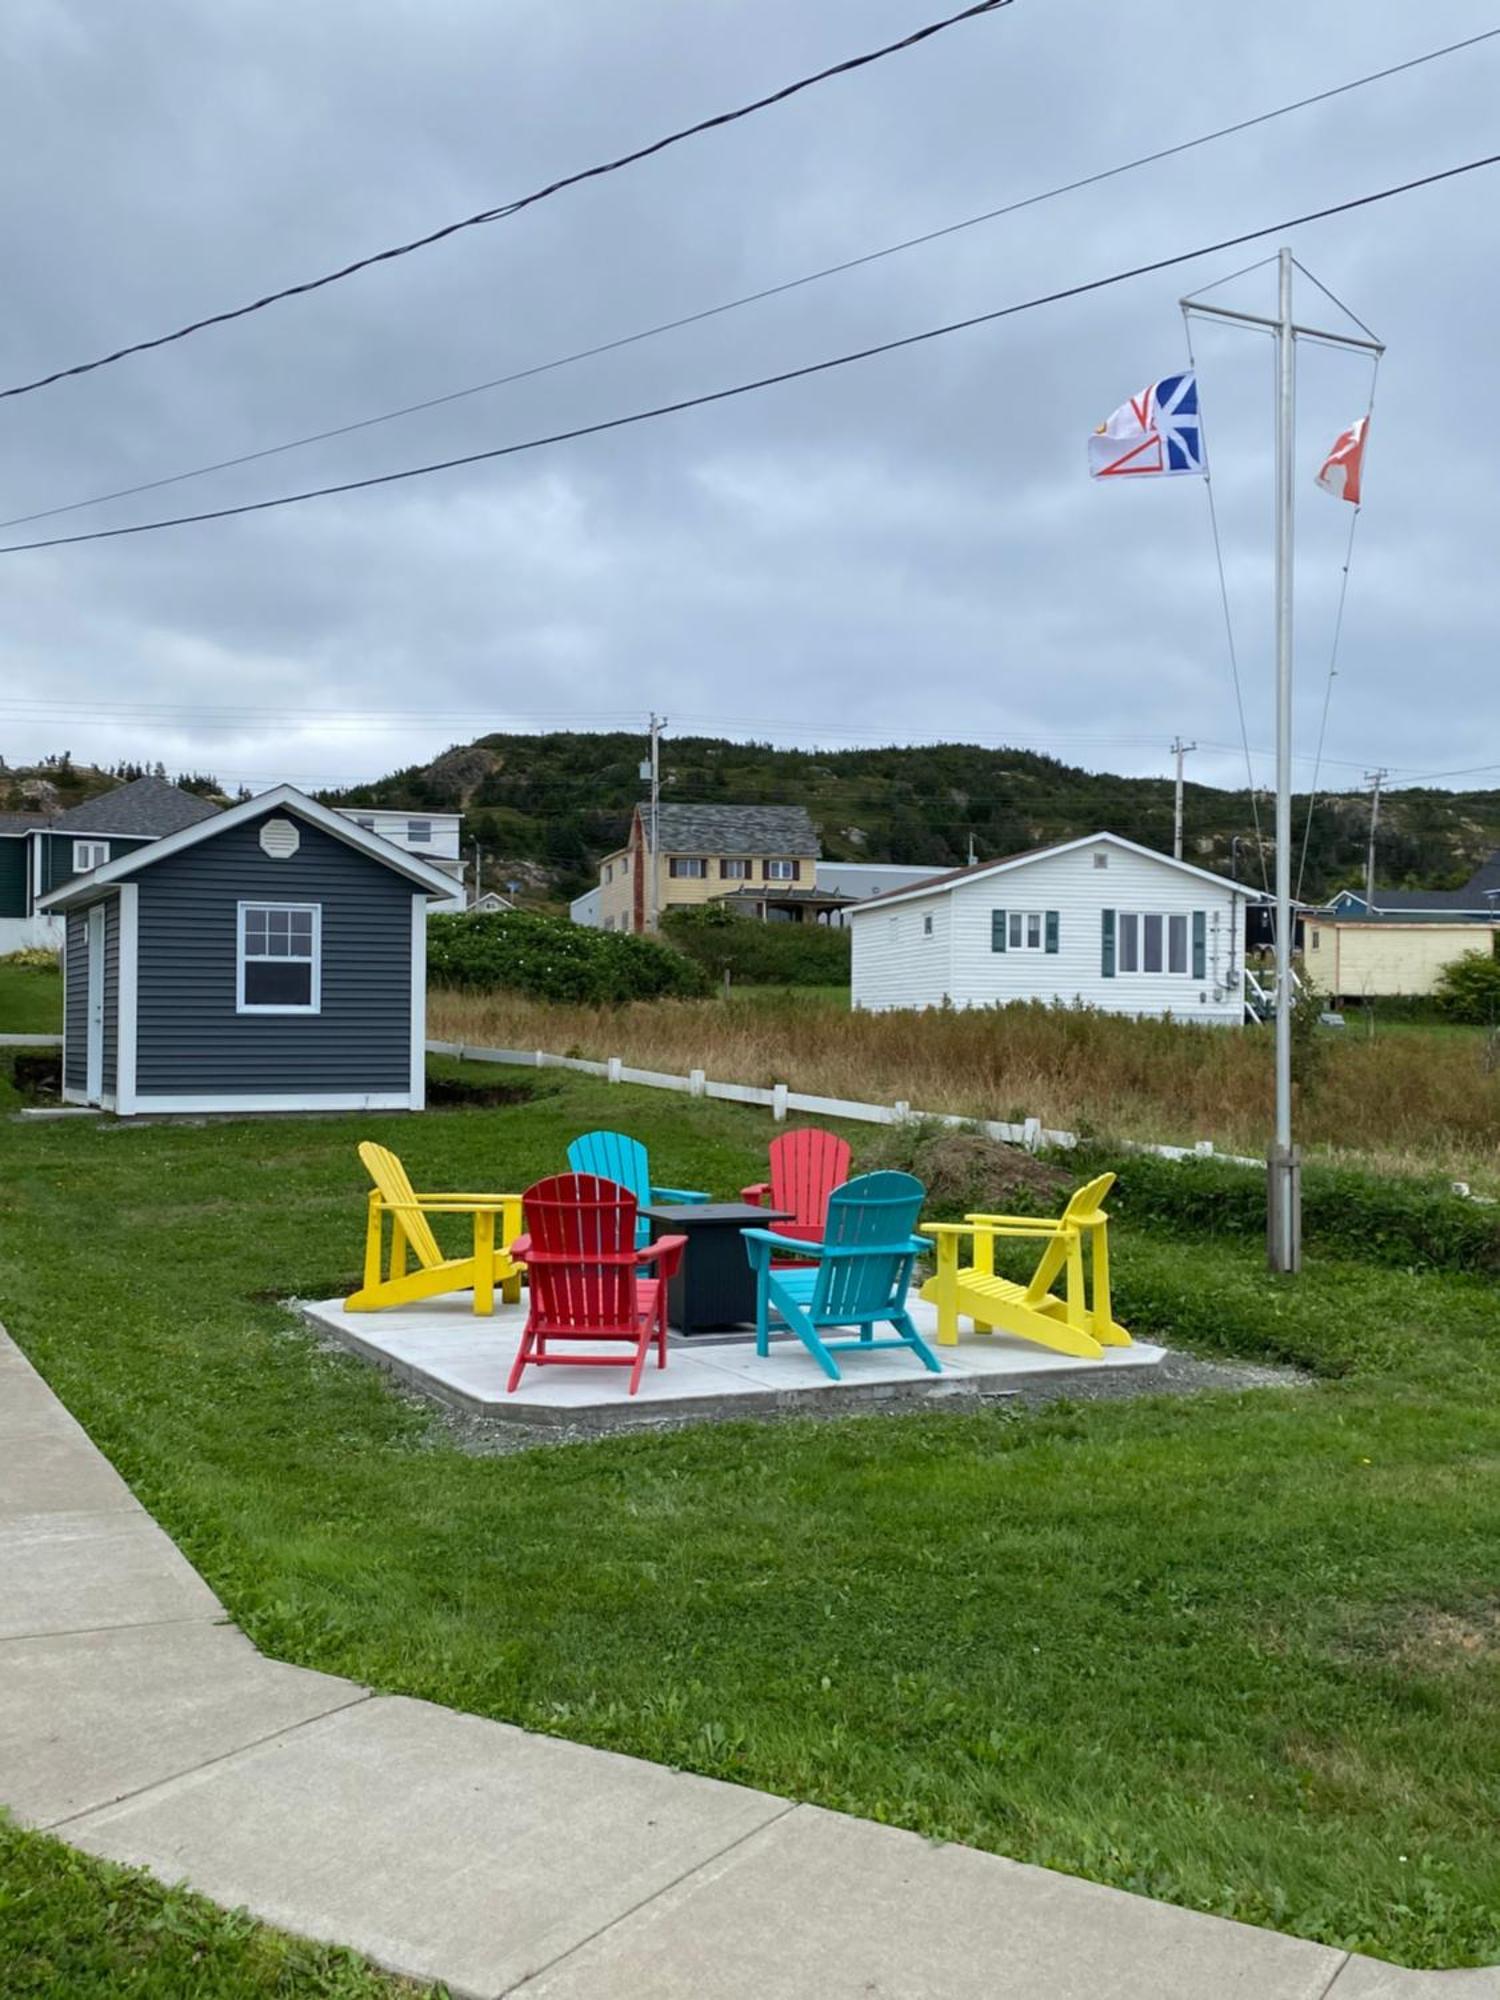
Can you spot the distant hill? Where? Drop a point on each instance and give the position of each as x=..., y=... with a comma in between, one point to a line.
x=548, y=807
x=56, y=783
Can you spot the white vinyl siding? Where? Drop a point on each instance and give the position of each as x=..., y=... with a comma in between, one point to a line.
x=897, y=964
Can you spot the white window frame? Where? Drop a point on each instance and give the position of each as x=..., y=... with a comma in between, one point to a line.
x=89, y=855
x=422, y=839
x=781, y=871
x=1019, y=925
x=1182, y=919
x=315, y=1003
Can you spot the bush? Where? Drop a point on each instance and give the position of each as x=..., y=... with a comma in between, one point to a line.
x=760, y=954
x=34, y=958
x=1469, y=989
x=965, y=1171
x=549, y=958
x=1385, y=1219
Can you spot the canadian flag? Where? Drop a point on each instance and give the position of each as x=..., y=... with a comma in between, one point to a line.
x=1340, y=471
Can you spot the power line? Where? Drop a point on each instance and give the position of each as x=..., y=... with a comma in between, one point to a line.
x=761, y=382
x=748, y=298
x=510, y=208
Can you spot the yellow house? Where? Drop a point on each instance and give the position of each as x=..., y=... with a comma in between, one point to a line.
x=765, y=855
x=1357, y=958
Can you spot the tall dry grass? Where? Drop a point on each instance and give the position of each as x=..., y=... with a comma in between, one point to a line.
x=1413, y=1098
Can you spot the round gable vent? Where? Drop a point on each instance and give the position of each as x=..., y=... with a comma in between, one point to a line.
x=280, y=839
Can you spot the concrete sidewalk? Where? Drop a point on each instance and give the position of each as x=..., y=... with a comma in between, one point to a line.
x=136, y=1722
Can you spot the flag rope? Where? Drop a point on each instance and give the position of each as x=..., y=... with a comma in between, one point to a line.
x=1234, y=663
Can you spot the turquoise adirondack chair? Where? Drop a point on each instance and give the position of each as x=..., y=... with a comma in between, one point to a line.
x=860, y=1278
x=615, y=1156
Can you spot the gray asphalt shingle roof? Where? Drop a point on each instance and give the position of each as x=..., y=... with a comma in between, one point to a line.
x=21, y=822
x=144, y=807
x=732, y=830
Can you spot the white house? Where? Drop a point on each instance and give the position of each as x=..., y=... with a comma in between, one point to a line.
x=584, y=909
x=1099, y=921
x=434, y=836
x=859, y=880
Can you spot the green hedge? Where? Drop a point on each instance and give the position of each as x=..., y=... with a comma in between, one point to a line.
x=760, y=954
x=549, y=958
x=1385, y=1219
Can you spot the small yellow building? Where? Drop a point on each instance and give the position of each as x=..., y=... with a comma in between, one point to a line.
x=1382, y=958
x=706, y=852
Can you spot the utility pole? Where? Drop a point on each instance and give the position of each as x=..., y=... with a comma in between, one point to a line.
x=1375, y=779
x=973, y=857
x=653, y=908
x=478, y=882
x=1179, y=751
x=1283, y=1164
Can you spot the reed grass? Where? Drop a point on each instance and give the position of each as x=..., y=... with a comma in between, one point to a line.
x=1414, y=1100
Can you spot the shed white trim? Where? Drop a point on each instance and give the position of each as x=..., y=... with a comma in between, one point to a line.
x=125, y=997
x=93, y=1060
x=281, y=797
x=419, y=1002
x=312, y=958
x=232, y=1100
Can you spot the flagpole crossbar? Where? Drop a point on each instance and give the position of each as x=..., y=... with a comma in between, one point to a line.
x=1274, y=326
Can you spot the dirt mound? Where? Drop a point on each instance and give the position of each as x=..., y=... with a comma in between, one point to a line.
x=965, y=1171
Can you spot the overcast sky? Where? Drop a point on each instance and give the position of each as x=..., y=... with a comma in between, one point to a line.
x=908, y=548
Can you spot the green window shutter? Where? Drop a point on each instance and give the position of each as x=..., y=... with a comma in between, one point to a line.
x=1200, y=943
x=1107, y=944
x=1050, y=920
x=997, y=930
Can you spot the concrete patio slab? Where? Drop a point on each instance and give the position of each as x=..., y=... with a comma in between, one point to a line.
x=54, y=1468
x=1369, y=1979
x=445, y=1846
x=819, y=1907
x=445, y=1351
x=88, y=1718
x=77, y=1572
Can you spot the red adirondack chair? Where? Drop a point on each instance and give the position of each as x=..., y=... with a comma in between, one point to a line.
x=806, y=1167
x=581, y=1260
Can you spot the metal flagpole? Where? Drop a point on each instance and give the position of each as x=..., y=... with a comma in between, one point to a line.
x=1284, y=1170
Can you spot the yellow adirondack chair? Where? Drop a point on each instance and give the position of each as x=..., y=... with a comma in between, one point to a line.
x=1081, y=1323
x=435, y=1274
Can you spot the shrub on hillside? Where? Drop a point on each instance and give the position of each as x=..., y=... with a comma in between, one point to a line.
x=1469, y=989
x=549, y=958
x=760, y=954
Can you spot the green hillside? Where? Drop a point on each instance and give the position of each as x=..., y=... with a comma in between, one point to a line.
x=550, y=806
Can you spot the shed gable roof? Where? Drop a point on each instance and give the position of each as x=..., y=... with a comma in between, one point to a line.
x=146, y=807
x=686, y=829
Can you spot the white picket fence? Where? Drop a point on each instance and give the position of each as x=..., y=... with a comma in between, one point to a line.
x=780, y=1099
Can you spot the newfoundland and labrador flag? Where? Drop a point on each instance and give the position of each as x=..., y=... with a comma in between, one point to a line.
x=1157, y=431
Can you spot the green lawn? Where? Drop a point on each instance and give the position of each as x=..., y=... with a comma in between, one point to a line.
x=30, y=999
x=1239, y=1651
x=72, y=1928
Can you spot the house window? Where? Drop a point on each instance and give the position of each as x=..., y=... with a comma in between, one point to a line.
x=89, y=854
x=688, y=867
x=1153, y=941
x=609, y=871
x=1101, y=860
x=419, y=832
x=1317, y=939
x=367, y=824
x=1024, y=931
x=279, y=958
x=734, y=871
x=927, y=926
x=781, y=871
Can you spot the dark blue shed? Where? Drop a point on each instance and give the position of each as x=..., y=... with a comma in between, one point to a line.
x=272, y=958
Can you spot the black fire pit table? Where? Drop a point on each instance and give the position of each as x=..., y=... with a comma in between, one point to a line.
x=714, y=1288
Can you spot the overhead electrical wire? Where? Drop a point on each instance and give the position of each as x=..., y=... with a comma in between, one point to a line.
x=802, y=373
x=747, y=298
x=504, y=209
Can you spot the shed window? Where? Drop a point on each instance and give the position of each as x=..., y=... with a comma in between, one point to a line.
x=89, y=854
x=279, y=958
x=419, y=832
x=691, y=867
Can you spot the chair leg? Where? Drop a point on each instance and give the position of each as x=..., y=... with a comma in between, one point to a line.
x=641, y=1348
x=484, y=1261
x=906, y=1327
x=518, y=1366
x=946, y=1290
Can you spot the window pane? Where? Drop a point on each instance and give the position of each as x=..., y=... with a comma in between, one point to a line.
x=1016, y=920
x=273, y=982
x=1151, y=944
x=1177, y=944
x=1129, y=942
x=1034, y=930
x=302, y=933
x=255, y=931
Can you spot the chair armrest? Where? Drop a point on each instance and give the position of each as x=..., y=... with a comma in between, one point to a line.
x=664, y=1194
x=521, y=1248
x=757, y=1194
x=457, y=1204
x=771, y=1241
x=1032, y=1225
x=947, y=1228
x=666, y=1252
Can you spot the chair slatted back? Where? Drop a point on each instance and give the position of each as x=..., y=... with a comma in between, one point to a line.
x=582, y=1265
x=874, y=1215
x=806, y=1167
x=614, y=1156
x=1084, y=1208
x=395, y=1188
